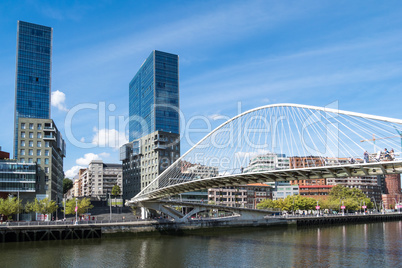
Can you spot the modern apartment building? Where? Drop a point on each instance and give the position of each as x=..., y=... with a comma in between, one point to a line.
x=33, y=74
x=282, y=191
x=154, y=128
x=98, y=180
x=267, y=162
x=256, y=193
x=40, y=142
x=228, y=196
x=154, y=96
x=36, y=137
x=145, y=158
x=246, y=196
x=367, y=184
x=18, y=179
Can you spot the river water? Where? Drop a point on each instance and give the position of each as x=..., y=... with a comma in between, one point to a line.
x=361, y=245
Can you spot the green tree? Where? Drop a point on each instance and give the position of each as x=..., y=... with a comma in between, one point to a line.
x=116, y=190
x=266, y=204
x=10, y=206
x=67, y=185
x=352, y=198
x=44, y=206
x=83, y=206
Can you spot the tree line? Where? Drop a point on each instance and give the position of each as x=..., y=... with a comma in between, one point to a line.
x=12, y=206
x=351, y=198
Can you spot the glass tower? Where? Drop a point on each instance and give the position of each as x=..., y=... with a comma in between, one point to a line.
x=33, y=73
x=154, y=96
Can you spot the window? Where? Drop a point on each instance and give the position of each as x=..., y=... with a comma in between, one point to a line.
x=39, y=126
x=46, y=152
x=46, y=161
x=22, y=134
x=30, y=152
x=46, y=178
x=38, y=144
x=31, y=135
x=38, y=161
x=30, y=143
x=46, y=170
x=39, y=136
x=22, y=125
x=30, y=160
x=31, y=126
x=46, y=144
x=22, y=160
x=38, y=152
x=22, y=152
x=22, y=143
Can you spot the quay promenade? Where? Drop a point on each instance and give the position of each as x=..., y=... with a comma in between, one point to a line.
x=39, y=231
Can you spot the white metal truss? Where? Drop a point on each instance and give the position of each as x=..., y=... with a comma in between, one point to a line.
x=293, y=141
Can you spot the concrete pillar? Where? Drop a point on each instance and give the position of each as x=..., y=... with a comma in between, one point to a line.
x=144, y=213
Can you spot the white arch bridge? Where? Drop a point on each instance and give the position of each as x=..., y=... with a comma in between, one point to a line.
x=283, y=142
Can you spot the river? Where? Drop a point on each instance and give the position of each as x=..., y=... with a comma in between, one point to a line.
x=360, y=245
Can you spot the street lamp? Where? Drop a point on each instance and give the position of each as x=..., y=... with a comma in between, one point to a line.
x=76, y=211
x=364, y=207
x=18, y=215
x=343, y=208
x=110, y=203
x=64, y=203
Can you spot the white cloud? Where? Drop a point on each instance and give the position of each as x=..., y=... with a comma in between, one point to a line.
x=72, y=172
x=84, y=161
x=109, y=138
x=58, y=99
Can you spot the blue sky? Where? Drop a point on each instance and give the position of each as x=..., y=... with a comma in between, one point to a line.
x=249, y=52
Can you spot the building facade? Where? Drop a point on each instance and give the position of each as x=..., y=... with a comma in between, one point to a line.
x=98, y=180
x=154, y=96
x=315, y=191
x=256, y=193
x=145, y=158
x=228, y=196
x=267, y=162
x=282, y=191
x=33, y=74
x=245, y=196
x=392, y=195
x=154, y=127
x=40, y=142
x=17, y=179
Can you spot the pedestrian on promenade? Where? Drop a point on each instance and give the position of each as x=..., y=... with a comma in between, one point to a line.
x=366, y=157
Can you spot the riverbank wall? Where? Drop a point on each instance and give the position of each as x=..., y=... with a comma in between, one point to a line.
x=163, y=227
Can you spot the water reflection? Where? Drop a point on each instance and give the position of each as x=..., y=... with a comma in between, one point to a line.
x=376, y=244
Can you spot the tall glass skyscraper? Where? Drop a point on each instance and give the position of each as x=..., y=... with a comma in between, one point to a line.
x=33, y=74
x=154, y=96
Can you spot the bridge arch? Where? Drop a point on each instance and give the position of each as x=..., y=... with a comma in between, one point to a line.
x=282, y=136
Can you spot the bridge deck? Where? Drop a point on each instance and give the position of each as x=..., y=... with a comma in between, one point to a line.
x=338, y=171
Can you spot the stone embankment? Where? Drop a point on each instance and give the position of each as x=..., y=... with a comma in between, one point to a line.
x=92, y=230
